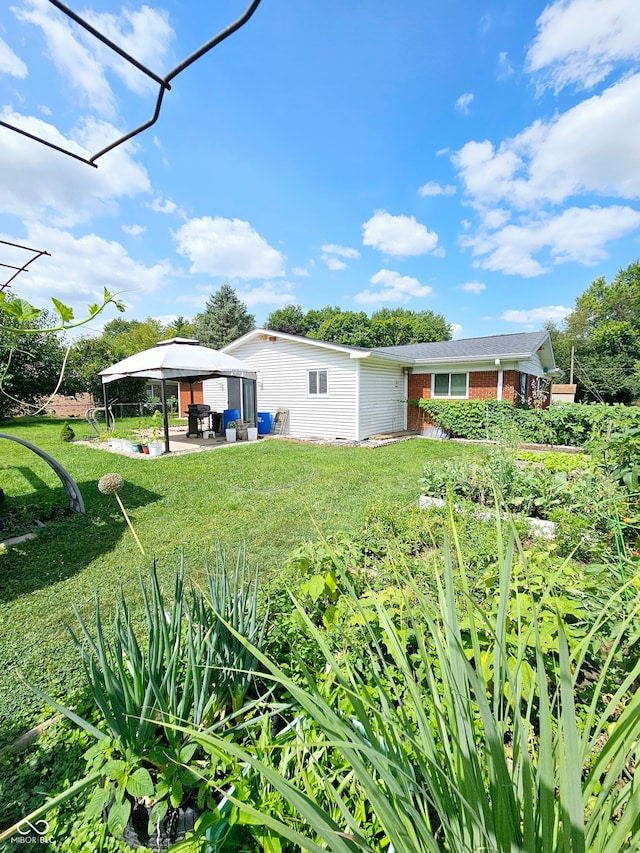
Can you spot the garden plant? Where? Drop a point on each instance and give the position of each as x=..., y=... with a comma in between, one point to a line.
x=430, y=680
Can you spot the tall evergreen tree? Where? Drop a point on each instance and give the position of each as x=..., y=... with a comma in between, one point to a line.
x=224, y=319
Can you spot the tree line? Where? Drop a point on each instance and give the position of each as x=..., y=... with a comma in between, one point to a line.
x=603, y=331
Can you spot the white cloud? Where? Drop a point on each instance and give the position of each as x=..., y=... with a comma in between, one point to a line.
x=301, y=271
x=342, y=251
x=464, y=102
x=334, y=264
x=456, y=330
x=476, y=287
x=580, y=41
x=74, y=61
x=590, y=148
x=495, y=218
x=536, y=316
x=158, y=144
x=144, y=33
x=79, y=268
x=433, y=188
x=228, y=248
x=165, y=206
x=394, y=288
x=134, y=230
x=40, y=183
x=82, y=60
x=10, y=63
x=504, y=65
x=269, y=293
x=576, y=234
x=400, y=236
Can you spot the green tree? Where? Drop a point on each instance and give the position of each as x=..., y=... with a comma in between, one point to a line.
x=346, y=327
x=119, y=339
x=224, y=319
x=30, y=362
x=289, y=319
x=604, y=332
x=314, y=318
x=23, y=330
x=180, y=328
x=398, y=326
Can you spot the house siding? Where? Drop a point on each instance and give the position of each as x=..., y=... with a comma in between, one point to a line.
x=382, y=399
x=282, y=367
x=367, y=390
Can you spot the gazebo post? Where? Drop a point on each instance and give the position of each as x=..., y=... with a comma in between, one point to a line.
x=165, y=416
x=106, y=404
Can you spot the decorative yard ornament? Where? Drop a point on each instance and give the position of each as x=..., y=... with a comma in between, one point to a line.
x=111, y=484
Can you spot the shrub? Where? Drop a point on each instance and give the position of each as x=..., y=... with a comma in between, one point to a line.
x=574, y=424
x=67, y=433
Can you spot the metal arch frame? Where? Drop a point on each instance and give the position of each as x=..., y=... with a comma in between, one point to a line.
x=70, y=486
x=37, y=253
x=164, y=83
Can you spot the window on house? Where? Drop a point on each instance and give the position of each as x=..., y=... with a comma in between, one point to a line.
x=318, y=382
x=450, y=385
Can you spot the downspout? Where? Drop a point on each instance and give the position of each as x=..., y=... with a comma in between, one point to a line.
x=358, y=401
x=500, y=379
x=405, y=394
x=165, y=416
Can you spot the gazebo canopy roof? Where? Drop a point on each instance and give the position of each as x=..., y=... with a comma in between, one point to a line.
x=178, y=359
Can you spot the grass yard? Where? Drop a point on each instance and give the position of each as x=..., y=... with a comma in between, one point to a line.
x=271, y=495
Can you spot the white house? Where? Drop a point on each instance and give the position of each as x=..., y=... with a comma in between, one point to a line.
x=337, y=391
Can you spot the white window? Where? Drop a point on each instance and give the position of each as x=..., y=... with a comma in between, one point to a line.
x=449, y=384
x=318, y=382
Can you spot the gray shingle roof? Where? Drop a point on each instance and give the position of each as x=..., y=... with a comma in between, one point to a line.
x=520, y=344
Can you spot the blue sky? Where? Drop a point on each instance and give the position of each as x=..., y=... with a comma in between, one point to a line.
x=477, y=159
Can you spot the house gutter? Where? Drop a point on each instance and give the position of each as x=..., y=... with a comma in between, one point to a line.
x=462, y=359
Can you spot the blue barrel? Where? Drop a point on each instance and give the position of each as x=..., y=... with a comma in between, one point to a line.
x=265, y=420
x=230, y=415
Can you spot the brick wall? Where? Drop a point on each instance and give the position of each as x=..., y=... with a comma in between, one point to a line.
x=70, y=407
x=510, y=385
x=483, y=385
x=419, y=389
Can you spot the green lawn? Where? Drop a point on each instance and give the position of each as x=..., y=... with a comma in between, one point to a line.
x=271, y=495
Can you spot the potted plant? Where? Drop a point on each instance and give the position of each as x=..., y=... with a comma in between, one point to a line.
x=252, y=432
x=150, y=778
x=230, y=431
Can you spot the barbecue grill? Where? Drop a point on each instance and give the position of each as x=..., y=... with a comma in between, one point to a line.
x=197, y=413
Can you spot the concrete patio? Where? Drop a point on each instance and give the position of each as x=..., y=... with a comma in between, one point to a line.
x=179, y=444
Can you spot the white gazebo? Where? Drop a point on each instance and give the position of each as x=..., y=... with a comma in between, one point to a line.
x=176, y=359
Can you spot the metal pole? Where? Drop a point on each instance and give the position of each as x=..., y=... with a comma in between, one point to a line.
x=106, y=405
x=573, y=350
x=165, y=416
